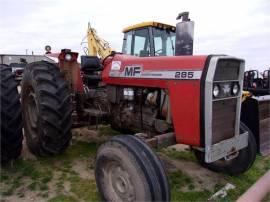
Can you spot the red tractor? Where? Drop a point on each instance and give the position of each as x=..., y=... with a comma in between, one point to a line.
x=165, y=100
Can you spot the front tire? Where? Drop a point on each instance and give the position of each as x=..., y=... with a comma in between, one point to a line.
x=11, y=117
x=239, y=164
x=46, y=109
x=128, y=170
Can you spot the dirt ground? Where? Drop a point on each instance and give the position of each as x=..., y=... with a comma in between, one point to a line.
x=70, y=176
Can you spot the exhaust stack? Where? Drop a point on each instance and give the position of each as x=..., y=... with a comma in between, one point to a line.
x=184, y=35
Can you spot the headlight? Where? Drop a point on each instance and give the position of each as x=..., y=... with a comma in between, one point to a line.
x=235, y=89
x=216, y=90
x=68, y=57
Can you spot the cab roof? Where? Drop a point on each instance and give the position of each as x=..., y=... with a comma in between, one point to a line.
x=149, y=24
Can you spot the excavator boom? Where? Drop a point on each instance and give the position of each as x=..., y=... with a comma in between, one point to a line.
x=96, y=45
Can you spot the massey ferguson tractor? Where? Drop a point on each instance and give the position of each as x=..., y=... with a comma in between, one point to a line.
x=156, y=101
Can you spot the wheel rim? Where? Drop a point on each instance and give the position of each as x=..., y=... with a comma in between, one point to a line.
x=32, y=113
x=118, y=182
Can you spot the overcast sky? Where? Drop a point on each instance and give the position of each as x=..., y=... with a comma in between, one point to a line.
x=235, y=27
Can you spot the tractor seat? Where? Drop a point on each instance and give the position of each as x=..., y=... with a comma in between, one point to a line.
x=144, y=53
x=90, y=64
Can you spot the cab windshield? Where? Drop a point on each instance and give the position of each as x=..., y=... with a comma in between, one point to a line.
x=149, y=41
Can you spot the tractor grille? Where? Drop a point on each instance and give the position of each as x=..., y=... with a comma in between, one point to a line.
x=224, y=108
x=224, y=113
x=227, y=70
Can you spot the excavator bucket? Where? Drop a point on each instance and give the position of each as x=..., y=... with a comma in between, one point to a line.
x=255, y=114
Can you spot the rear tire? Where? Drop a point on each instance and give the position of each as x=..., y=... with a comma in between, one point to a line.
x=239, y=164
x=11, y=117
x=128, y=170
x=47, y=109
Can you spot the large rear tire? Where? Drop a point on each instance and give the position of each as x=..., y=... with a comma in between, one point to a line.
x=128, y=170
x=47, y=109
x=11, y=117
x=239, y=164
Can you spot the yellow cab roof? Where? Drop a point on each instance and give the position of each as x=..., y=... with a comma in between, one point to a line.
x=149, y=24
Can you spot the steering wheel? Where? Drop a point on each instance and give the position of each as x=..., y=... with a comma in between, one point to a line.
x=158, y=52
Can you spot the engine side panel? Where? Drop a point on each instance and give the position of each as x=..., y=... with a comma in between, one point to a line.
x=185, y=105
x=165, y=73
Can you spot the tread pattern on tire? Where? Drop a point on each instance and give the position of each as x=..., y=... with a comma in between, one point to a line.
x=149, y=163
x=11, y=117
x=153, y=159
x=55, y=108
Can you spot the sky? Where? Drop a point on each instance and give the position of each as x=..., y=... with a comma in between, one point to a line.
x=240, y=28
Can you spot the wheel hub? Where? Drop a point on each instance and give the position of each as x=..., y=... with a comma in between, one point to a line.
x=32, y=109
x=119, y=182
x=120, y=185
x=32, y=113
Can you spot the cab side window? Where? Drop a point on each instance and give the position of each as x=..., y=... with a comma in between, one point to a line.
x=164, y=41
x=127, y=43
x=141, y=43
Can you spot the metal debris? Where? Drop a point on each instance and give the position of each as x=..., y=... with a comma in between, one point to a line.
x=222, y=192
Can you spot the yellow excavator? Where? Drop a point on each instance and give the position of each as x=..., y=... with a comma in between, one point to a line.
x=96, y=45
x=150, y=39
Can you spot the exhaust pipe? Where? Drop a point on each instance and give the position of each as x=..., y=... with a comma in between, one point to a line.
x=184, y=35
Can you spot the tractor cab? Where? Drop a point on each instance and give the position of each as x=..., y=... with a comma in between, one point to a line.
x=159, y=39
x=149, y=39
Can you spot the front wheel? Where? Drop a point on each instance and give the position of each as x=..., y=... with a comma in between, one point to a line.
x=128, y=170
x=239, y=164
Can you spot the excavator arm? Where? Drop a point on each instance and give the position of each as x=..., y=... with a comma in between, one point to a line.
x=96, y=45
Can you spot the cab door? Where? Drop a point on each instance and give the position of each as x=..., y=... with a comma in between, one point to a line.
x=137, y=42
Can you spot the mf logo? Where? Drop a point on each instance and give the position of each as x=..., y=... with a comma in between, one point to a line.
x=226, y=89
x=133, y=71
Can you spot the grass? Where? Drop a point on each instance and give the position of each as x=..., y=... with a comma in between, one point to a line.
x=62, y=198
x=244, y=181
x=78, y=150
x=4, y=177
x=85, y=190
x=32, y=186
x=267, y=198
x=54, y=179
x=179, y=180
x=8, y=192
x=47, y=178
x=20, y=195
x=36, y=175
x=106, y=130
x=179, y=155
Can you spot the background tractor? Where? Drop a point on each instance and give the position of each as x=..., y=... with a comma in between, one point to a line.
x=256, y=107
x=258, y=84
